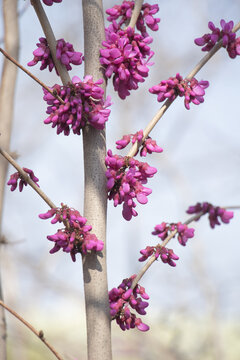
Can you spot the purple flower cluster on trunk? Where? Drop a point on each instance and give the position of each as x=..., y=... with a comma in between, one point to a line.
x=64, y=52
x=229, y=40
x=193, y=90
x=125, y=179
x=14, y=178
x=75, y=237
x=84, y=103
x=149, y=145
x=122, y=299
x=50, y=2
x=215, y=213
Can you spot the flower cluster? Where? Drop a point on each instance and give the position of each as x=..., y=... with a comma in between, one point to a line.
x=126, y=54
x=64, y=52
x=215, y=213
x=167, y=255
x=50, y=2
x=123, y=13
x=84, y=102
x=193, y=90
x=75, y=237
x=149, y=145
x=228, y=37
x=163, y=230
x=125, y=179
x=122, y=299
x=13, y=181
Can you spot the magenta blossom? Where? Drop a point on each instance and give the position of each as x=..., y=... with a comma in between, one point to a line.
x=123, y=13
x=163, y=230
x=121, y=144
x=84, y=103
x=122, y=299
x=126, y=55
x=13, y=181
x=193, y=90
x=64, y=52
x=226, y=34
x=233, y=48
x=50, y=2
x=166, y=255
x=148, y=146
x=125, y=179
x=75, y=237
x=215, y=213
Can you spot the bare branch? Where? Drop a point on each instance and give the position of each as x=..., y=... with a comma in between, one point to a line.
x=39, y=334
x=27, y=178
x=31, y=75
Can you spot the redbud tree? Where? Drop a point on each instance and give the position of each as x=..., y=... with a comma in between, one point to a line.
x=118, y=51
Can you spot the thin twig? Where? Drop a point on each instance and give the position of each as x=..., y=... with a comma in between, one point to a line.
x=136, y=11
x=52, y=92
x=39, y=334
x=51, y=40
x=27, y=178
x=132, y=152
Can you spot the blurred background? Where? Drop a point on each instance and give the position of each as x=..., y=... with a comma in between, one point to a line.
x=194, y=308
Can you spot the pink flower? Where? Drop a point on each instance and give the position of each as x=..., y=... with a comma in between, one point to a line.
x=122, y=299
x=50, y=2
x=193, y=90
x=64, y=52
x=184, y=233
x=148, y=146
x=121, y=144
x=123, y=13
x=42, y=53
x=233, y=48
x=215, y=213
x=228, y=37
x=75, y=237
x=125, y=179
x=13, y=181
x=84, y=102
x=167, y=255
x=126, y=55
x=163, y=230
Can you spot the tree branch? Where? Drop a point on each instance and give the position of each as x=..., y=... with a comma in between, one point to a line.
x=7, y=92
x=95, y=199
x=39, y=334
x=27, y=178
x=63, y=73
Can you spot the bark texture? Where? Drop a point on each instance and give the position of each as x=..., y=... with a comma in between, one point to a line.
x=95, y=199
x=7, y=91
